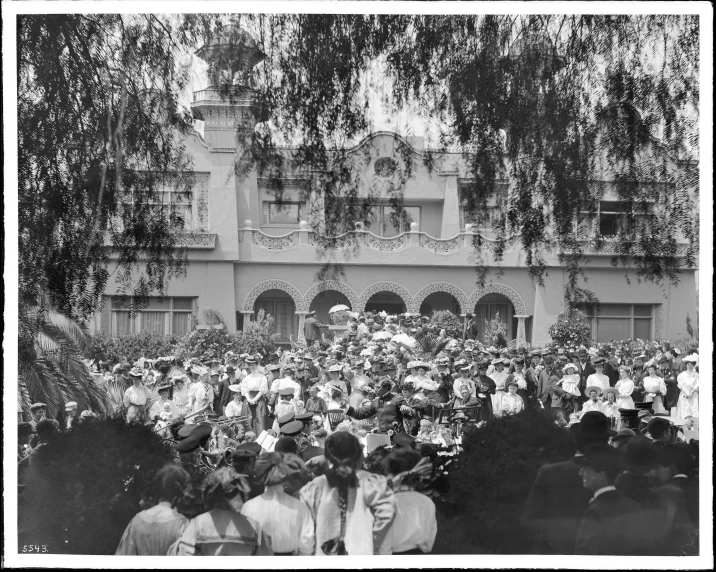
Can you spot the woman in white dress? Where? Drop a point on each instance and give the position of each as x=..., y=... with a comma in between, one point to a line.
x=254, y=387
x=181, y=395
x=688, y=384
x=625, y=387
x=654, y=390
x=499, y=376
x=136, y=396
x=511, y=402
x=610, y=408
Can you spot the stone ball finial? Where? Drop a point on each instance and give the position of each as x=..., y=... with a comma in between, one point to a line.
x=359, y=226
x=247, y=223
x=303, y=224
x=468, y=228
x=413, y=226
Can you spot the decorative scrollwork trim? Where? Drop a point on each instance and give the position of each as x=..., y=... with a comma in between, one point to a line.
x=267, y=285
x=326, y=285
x=493, y=288
x=386, y=286
x=447, y=287
x=274, y=242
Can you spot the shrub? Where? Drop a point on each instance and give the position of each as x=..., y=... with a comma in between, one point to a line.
x=85, y=486
x=571, y=328
x=133, y=346
x=488, y=489
x=213, y=344
x=445, y=319
x=258, y=336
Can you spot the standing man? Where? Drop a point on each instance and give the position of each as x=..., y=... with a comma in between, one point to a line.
x=123, y=376
x=585, y=369
x=609, y=526
x=557, y=499
x=311, y=328
x=70, y=415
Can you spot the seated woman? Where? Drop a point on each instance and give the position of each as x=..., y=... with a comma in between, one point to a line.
x=511, y=402
x=594, y=403
x=223, y=530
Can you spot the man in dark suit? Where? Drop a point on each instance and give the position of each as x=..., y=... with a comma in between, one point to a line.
x=311, y=328
x=609, y=523
x=557, y=500
x=678, y=494
x=542, y=393
x=585, y=369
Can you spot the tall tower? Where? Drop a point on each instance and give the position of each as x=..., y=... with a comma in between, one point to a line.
x=226, y=105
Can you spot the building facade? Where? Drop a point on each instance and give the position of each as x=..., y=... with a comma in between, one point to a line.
x=249, y=252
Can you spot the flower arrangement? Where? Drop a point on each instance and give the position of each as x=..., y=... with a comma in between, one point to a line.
x=495, y=332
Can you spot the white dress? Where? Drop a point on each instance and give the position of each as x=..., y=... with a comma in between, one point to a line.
x=652, y=385
x=688, y=404
x=598, y=380
x=625, y=387
x=511, y=404
x=499, y=378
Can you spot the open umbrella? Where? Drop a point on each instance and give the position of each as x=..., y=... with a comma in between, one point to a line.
x=338, y=308
x=382, y=335
x=403, y=339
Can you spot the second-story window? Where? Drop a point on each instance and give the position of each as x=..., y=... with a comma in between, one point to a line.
x=384, y=221
x=282, y=214
x=486, y=224
x=174, y=205
x=610, y=219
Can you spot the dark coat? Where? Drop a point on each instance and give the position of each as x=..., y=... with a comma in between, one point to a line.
x=387, y=411
x=554, y=508
x=609, y=526
x=680, y=535
x=584, y=372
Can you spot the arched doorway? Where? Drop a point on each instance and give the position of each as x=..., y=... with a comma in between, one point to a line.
x=440, y=301
x=386, y=301
x=491, y=306
x=281, y=306
x=324, y=301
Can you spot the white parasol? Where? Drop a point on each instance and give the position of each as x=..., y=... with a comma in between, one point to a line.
x=338, y=308
x=383, y=335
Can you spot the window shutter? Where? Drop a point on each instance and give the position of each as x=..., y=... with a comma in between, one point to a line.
x=265, y=213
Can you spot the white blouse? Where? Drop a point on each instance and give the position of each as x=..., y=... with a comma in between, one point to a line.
x=285, y=519
x=415, y=524
x=254, y=382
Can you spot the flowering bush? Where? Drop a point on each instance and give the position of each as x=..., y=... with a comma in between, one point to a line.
x=446, y=320
x=571, y=328
x=213, y=344
x=257, y=337
x=131, y=347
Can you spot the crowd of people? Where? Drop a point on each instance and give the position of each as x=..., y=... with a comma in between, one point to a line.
x=280, y=444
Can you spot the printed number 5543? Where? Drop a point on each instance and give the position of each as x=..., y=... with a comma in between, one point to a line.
x=34, y=548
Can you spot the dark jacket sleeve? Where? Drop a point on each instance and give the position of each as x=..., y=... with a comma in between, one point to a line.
x=363, y=412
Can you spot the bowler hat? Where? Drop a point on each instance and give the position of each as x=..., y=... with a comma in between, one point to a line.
x=594, y=424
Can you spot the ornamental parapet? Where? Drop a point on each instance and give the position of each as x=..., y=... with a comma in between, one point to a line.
x=409, y=248
x=191, y=240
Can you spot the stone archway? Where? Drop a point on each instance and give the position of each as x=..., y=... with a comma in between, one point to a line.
x=507, y=291
x=447, y=287
x=267, y=285
x=518, y=304
x=327, y=285
x=386, y=286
